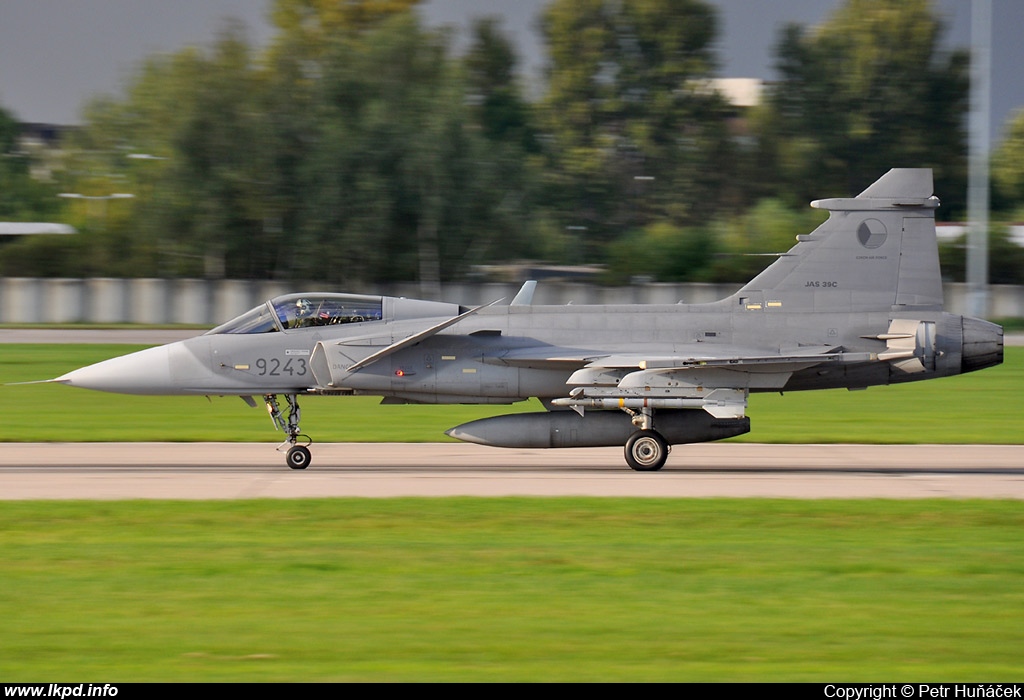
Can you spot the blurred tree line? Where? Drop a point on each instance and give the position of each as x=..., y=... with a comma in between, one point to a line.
x=359, y=147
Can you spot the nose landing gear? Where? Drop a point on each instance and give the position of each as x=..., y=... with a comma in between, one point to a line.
x=297, y=456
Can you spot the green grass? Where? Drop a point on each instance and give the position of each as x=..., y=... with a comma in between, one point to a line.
x=460, y=589
x=981, y=407
x=515, y=590
x=1010, y=325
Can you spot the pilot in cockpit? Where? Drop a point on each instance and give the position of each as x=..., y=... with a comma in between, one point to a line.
x=308, y=315
x=304, y=314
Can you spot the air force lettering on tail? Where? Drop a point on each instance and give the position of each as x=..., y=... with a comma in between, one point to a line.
x=855, y=303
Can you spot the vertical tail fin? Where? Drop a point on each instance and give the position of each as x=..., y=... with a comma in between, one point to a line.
x=876, y=250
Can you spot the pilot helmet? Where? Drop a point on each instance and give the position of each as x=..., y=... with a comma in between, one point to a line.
x=303, y=306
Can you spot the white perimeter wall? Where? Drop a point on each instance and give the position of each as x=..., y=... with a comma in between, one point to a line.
x=211, y=302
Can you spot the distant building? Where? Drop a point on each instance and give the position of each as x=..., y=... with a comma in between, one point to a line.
x=515, y=272
x=740, y=92
x=41, y=144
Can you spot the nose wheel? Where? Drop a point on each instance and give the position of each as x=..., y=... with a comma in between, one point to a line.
x=298, y=456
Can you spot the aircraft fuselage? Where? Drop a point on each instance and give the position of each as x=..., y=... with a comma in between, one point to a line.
x=856, y=303
x=490, y=359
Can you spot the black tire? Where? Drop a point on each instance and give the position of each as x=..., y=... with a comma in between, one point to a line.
x=646, y=451
x=299, y=457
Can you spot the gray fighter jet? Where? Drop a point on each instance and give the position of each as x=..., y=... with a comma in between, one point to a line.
x=855, y=303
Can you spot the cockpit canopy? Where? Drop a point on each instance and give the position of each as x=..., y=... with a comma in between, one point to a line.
x=293, y=311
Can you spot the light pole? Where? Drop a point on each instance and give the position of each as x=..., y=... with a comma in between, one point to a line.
x=639, y=186
x=98, y=198
x=977, y=158
x=115, y=195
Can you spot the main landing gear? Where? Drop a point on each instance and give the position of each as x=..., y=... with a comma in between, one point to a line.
x=297, y=456
x=646, y=449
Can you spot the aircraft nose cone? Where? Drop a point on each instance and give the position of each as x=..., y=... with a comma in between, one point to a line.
x=144, y=372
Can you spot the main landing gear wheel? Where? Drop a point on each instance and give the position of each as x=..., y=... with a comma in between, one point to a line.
x=298, y=457
x=646, y=451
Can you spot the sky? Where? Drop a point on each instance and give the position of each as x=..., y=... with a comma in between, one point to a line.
x=57, y=54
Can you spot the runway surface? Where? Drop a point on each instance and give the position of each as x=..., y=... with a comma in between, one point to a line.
x=232, y=471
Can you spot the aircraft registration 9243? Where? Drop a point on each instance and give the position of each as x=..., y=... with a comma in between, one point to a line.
x=856, y=303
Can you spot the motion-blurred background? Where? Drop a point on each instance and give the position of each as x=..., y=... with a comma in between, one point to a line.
x=360, y=143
